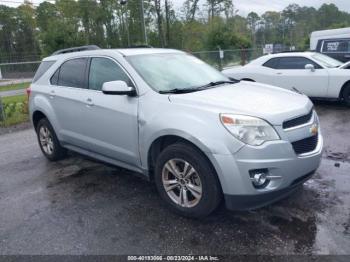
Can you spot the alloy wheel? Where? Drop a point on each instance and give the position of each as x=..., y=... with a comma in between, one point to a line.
x=46, y=140
x=182, y=183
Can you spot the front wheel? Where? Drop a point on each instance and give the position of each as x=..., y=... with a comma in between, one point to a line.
x=186, y=181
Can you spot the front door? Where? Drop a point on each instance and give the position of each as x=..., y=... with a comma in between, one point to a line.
x=110, y=121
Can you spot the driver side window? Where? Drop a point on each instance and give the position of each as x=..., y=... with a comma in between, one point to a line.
x=295, y=63
x=105, y=70
x=290, y=63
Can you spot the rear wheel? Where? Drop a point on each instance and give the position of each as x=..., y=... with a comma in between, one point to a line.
x=346, y=95
x=48, y=142
x=186, y=181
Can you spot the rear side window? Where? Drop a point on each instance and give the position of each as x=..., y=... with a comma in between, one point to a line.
x=72, y=73
x=105, y=70
x=272, y=63
x=44, y=66
x=336, y=46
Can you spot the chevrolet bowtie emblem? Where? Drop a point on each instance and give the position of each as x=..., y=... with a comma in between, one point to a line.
x=314, y=129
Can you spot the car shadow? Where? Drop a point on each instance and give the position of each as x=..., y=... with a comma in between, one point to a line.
x=326, y=104
x=123, y=198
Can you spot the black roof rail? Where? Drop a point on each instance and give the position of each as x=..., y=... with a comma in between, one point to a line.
x=76, y=49
x=140, y=46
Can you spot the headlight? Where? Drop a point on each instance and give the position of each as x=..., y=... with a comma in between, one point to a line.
x=250, y=130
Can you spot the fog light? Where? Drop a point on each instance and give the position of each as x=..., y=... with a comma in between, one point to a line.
x=259, y=178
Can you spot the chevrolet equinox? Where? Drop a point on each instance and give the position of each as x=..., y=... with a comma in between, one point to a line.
x=200, y=136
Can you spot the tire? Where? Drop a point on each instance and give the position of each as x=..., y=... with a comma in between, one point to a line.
x=346, y=95
x=202, y=176
x=48, y=142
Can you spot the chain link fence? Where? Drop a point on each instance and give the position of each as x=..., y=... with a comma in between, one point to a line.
x=22, y=68
x=14, y=66
x=16, y=72
x=227, y=58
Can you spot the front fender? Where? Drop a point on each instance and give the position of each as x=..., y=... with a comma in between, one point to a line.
x=337, y=79
x=199, y=127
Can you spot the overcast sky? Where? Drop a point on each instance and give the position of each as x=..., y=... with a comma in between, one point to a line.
x=258, y=6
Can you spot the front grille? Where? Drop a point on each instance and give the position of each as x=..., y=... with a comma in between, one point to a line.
x=305, y=145
x=297, y=121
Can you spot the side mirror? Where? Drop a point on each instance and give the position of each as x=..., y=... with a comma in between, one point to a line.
x=118, y=88
x=310, y=67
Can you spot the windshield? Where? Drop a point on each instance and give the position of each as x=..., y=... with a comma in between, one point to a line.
x=326, y=61
x=164, y=72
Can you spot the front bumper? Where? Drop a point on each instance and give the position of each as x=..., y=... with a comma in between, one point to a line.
x=278, y=157
x=248, y=202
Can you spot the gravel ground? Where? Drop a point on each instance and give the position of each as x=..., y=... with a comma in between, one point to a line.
x=15, y=128
x=78, y=206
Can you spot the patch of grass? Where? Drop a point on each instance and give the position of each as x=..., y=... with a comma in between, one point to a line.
x=14, y=99
x=15, y=110
x=14, y=86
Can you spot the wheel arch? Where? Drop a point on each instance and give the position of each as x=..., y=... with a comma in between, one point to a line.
x=161, y=142
x=37, y=116
x=346, y=84
x=41, y=107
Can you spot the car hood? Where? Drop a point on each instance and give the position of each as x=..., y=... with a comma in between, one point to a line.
x=264, y=101
x=345, y=65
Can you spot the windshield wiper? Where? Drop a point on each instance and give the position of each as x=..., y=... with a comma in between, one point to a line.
x=197, y=88
x=178, y=91
x=217, y=83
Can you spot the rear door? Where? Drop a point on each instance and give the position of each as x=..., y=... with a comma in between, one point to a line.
x=69, y=94
x=290, y=73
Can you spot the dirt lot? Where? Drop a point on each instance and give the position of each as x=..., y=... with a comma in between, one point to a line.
x=77, y=206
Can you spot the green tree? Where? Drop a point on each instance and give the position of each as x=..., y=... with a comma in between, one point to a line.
x=190, y=9
x=204, y=25
x=91, y=15
x=26, y=34
x=252, y=20
x=7, y=29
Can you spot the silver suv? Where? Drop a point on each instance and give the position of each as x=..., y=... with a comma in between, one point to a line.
x=197, y=134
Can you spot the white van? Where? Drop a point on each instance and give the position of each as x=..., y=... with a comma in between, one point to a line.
x=334, y=43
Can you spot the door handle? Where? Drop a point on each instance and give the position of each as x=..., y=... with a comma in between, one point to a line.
x=89, y=102
x=279, y=73
x=52, y=94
